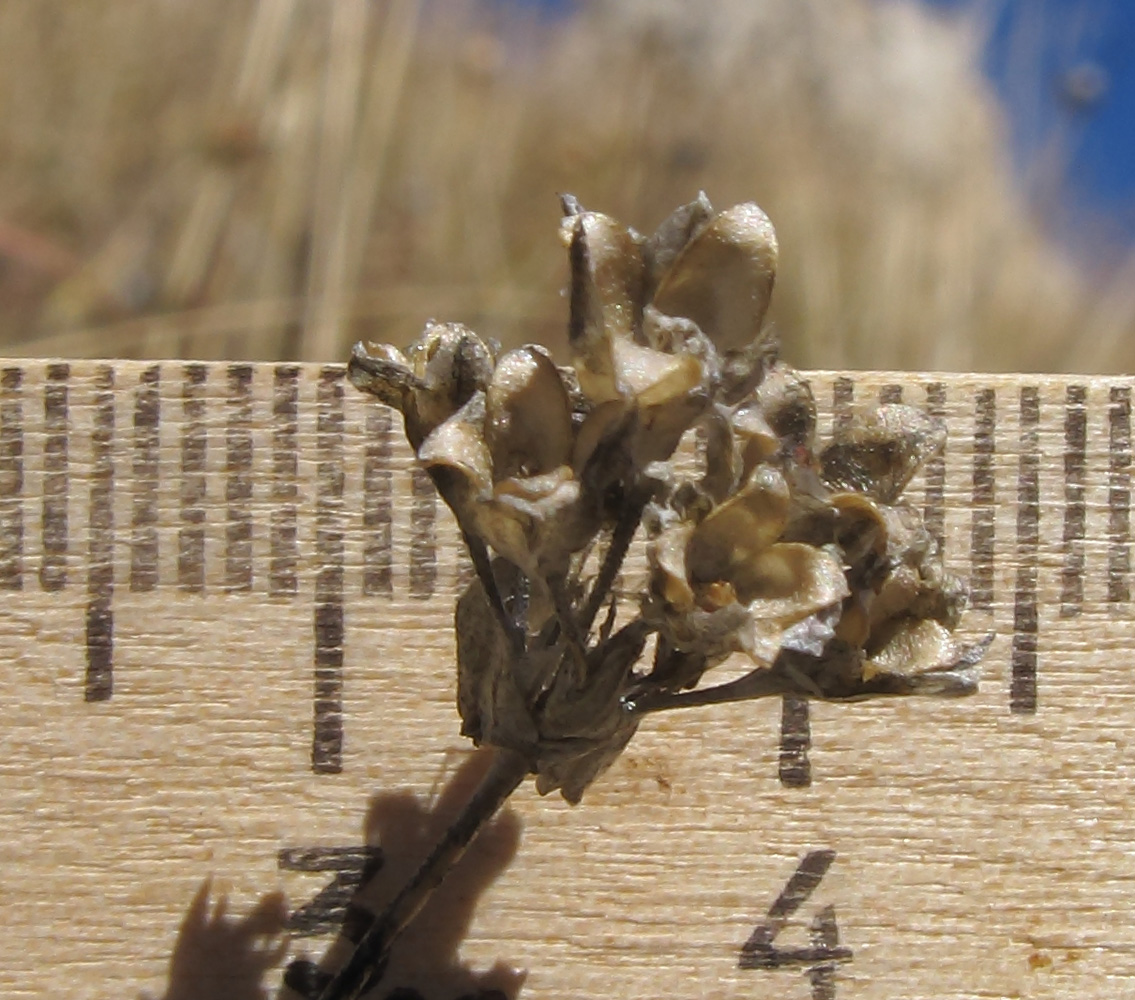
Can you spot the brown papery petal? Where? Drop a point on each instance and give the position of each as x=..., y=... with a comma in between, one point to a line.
x=527, y=416
x=789, y=581
x=452, y=365
x=915, y=647
x=616, y=270
x=858, y=506
x=860, y=520
x=531, y=523
x=723, y=279
x=667, y=557
x=534, y=488
x=756, y=439
x=388, y=353
x=720, y=461
x=733, y=533
x=670, y=239
x=897, y=595
x=383, y=371
x=786, y=400
x=606, y=296
x=661, y=426
x=453, y=356
x=605, y=419
x=458, y=447
x=652, y=378
x=878, y=452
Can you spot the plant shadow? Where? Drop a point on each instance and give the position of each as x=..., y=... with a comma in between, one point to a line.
x=218, y=957
x=426, y=956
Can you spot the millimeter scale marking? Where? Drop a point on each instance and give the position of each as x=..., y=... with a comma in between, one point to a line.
x=226, y=603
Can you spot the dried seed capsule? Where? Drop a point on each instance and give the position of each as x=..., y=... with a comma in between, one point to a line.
x=527, y=415
x=879, y=451
x=723, y=278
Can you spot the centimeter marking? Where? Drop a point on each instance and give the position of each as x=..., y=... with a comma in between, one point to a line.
x=245, y=453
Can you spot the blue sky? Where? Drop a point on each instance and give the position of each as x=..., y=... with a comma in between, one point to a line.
x=1066, y=72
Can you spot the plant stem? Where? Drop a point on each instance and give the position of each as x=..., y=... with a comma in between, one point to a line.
x=762, y=683
x=621, y=540
x=365, y=964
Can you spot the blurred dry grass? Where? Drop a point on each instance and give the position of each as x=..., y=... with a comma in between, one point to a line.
x=275, y=178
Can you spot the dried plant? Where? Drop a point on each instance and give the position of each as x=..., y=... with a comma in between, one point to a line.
x=802, y=558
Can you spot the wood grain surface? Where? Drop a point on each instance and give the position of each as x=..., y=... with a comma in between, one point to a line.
x=226, y=666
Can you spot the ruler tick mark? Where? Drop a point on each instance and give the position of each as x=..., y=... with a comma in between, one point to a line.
x=983, y=532
x=327, y=738
x=238, y=480
x=890, y=394
x=194, y=443
x=1119, y=496
x=1075, y=511
x=843, y=394
x=465, y=570
x=378, y=505
x=11, y=480
x=933, y=515
x=99, y=684
x=285, y=473
x=144, y=512
x=1023, y=687
x=53, y=524
x=795, y=769
x=423, y=535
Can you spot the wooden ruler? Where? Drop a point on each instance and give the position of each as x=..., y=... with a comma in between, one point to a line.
x=227, y=675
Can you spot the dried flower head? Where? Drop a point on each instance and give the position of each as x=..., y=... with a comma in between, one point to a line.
x=798, y=557
x=802, y=558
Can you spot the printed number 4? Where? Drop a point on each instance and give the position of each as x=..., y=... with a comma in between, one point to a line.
x=823, y=952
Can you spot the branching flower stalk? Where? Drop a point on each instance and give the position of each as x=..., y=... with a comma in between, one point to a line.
x=803, y=559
